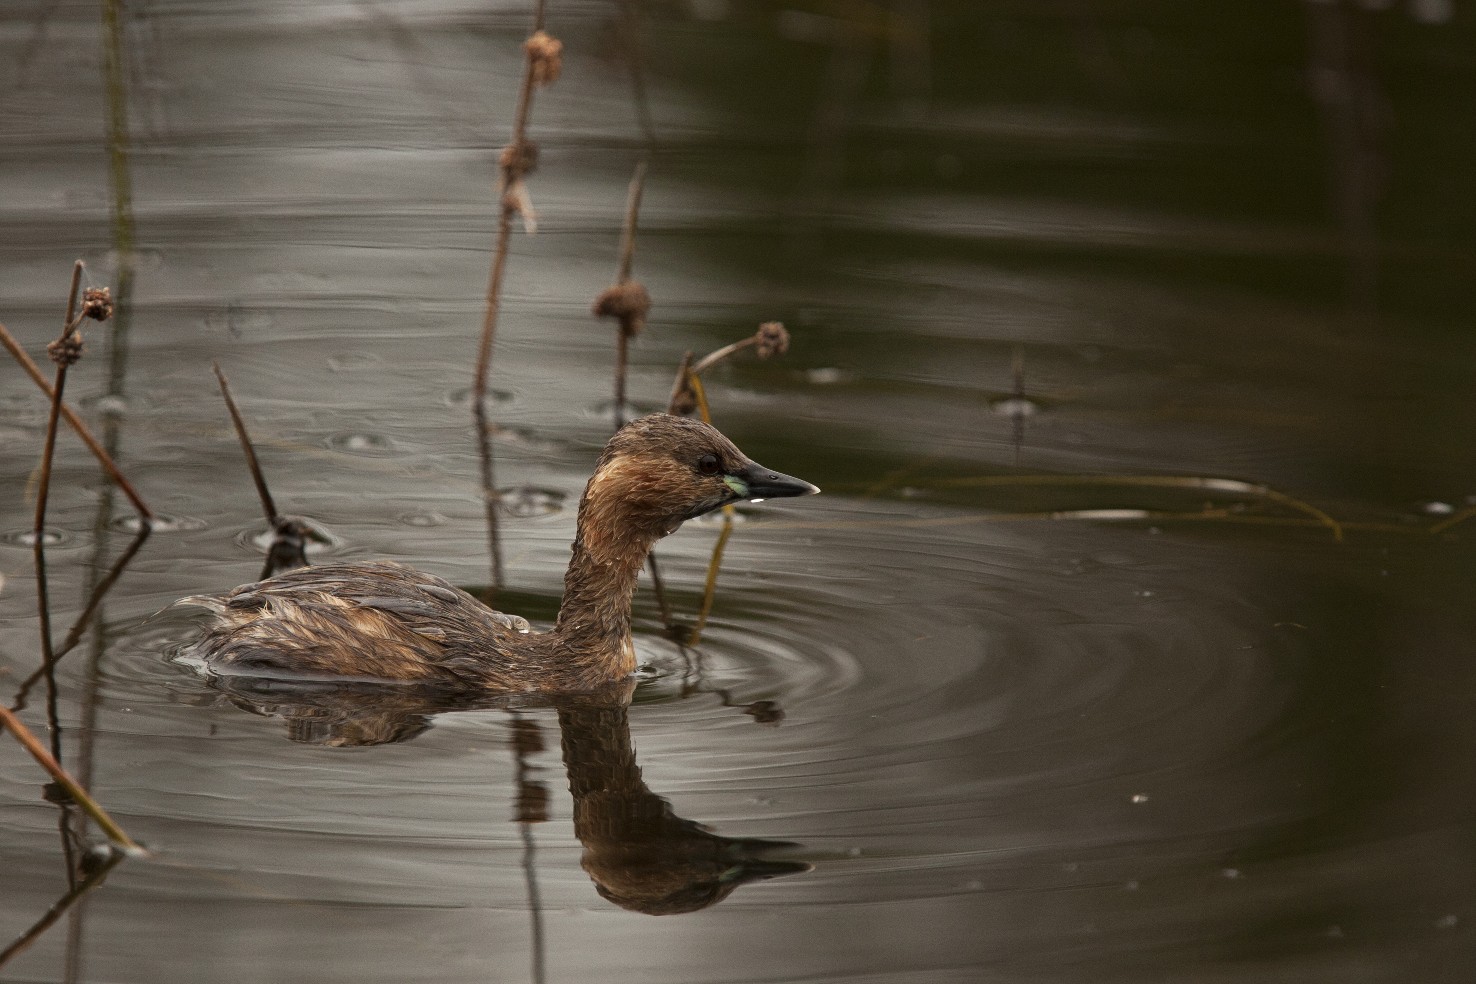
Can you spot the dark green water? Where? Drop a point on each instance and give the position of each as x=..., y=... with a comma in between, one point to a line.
x=1027, y=734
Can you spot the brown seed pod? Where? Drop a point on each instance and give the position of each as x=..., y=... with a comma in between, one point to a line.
x=628, y=302
x=66, y=351
x=518, y=160
x=772, y=340
x=545, y=56
x=97, y=303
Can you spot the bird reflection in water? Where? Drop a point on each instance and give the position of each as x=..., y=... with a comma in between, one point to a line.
x=639, y=853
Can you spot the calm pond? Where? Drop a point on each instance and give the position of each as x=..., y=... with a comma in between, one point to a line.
x=1131, y=639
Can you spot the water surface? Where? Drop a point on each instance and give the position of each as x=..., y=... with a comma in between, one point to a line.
x=1019, y=726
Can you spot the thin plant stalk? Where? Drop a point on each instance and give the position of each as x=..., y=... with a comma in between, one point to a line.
x=713, y=358
x=59, y=908
x=505, y=210
x=48, y=451
x=74, y=634
x=43, y=493
x=89, y=806
x=622, y=276
x=77, y=425
x=657, y=587
x=680, y=384
x=269, y=507
x=709, y=588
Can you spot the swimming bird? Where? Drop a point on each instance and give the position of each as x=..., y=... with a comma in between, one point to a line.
x=386, y=622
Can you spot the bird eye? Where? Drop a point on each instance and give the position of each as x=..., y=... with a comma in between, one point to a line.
x=708, y=464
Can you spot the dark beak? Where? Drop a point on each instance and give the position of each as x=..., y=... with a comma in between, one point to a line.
x=764, y=483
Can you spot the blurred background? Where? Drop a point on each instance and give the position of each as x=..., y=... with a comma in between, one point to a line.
x=1131, y=639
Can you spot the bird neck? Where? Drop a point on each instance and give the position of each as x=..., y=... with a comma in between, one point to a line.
x=609, y=552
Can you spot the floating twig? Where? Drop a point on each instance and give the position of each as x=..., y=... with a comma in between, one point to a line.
x=542, y=65
x=1454, y=519
x=1230, y=485
x=89, y=806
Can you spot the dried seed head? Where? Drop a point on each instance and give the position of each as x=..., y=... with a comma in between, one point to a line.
x=66, y=351
x=518, y=160
x=97, y=303
x=628, y=302
x=685, y=400
x=545, y=57
x=772, y=339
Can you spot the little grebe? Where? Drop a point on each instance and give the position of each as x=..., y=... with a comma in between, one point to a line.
x=388, y=622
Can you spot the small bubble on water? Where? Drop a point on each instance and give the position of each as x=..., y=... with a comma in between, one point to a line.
x=112, y=406
x=827, y=376
x=1130, y=886
x=526, y=502
x=755, y=501
x=1139, y=798
x=1230, y=873
x=422, y=520
x=1447, y=921
x=351, y=361
x=853, y=852
x=1014, y=406
x=24, y=538
x=1438, y=508
x=161, y=523
x=360, y=443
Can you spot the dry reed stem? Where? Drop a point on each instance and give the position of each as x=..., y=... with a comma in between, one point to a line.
x=74, y=634
x=262, y=492
x=65, y=350
x=50, y=764
x=709, y=588
x=628, y=230
x=513, y=165
x=631, y=323
x=69, y=326
x=679, y=386
x=98, y=451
